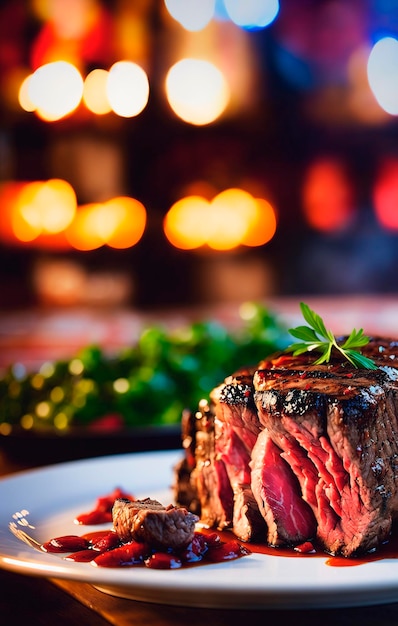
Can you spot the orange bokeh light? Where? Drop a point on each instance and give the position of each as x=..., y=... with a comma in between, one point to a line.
x=262, y=227
x=126, y=222
x=45, y=214
x=82, y=233
x=118, y=223
x=233, y=218
x=36, y=211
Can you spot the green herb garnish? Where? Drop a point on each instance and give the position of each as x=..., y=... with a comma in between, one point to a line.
x=316, y=337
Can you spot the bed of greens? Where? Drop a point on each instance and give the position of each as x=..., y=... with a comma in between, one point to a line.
x=148, y=383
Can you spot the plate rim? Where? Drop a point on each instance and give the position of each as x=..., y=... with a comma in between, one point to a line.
x=160, y=586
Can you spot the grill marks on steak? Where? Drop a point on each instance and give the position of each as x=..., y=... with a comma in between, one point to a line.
x=320, y=444
x=233, y=404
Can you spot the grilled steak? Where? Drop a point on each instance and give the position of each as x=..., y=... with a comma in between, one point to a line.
x=148, y=521
x=319, y=444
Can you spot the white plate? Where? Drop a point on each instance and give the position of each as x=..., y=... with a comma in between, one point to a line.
x=49, y=498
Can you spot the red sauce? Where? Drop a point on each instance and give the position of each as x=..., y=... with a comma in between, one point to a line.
x=104, y=548
x=389, y=550
x=102, y=512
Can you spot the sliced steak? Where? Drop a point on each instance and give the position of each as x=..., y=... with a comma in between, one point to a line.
x=277, y=492
x=319, y=444
x=185, y=490
x=336, y=427
x=209, y=478
x=148, y=521
x=247, y=521
x=233, y=404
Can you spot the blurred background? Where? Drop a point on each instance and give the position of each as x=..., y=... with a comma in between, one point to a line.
x=173, y=153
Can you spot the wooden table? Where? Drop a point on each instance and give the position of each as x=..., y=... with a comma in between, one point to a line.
x=39, y=601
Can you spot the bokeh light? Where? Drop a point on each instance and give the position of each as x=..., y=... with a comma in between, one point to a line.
x=50, y=205
x=41, y=208
x=95, y=95
x=385, y=194
x=327, y=195
x=118, y=223
x=185, y=224
x=193, y=15
x=231, y=219
x=124, y=222
x=127, y=88
x=83, y=232
x=262, y=226
x=197, y=91
x=252, y=14
x=24, y=99
x=383, y=73
x=55, y=90
x=232, y=211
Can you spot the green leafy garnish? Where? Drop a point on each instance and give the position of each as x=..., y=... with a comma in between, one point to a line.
x=316, y=337
x=148, y=383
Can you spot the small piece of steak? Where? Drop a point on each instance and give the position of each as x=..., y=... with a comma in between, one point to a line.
x=148, y=521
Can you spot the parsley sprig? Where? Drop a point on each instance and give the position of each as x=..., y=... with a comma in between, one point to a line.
x=316, y=337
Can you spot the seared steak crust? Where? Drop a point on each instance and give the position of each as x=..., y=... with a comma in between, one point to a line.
x=331, y=429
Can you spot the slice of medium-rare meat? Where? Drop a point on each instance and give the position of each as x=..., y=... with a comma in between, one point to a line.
x=148, y=521
x=232, y=403
x=275, y=487
x=248, y=522
x=337, y=428
x=213, y=478
x=209, y=477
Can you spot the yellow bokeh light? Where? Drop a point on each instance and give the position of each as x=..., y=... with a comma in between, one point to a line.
x=23, y=230
x=23, y=96
x=118, y=223
x=95, y=95
x=233, y=218
x=232, y=211
x=197, y=91
x=82, y=233
x=28, y=207
x=43, y=207
x=55, y=89
x=185, y=224
x=127, y=220
x=127, y=88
